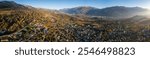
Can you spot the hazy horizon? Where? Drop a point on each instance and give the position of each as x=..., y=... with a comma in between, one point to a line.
x=60, y=4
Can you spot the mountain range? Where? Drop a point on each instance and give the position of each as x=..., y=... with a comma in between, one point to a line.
x=115, y=11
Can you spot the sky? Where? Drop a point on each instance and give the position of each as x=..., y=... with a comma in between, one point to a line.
x=60, y=4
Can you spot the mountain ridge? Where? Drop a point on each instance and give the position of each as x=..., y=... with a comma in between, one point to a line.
x=114, y=11
x=10, y=4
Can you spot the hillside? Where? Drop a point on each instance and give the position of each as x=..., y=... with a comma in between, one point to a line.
x=43, y=25
x=10, y=5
